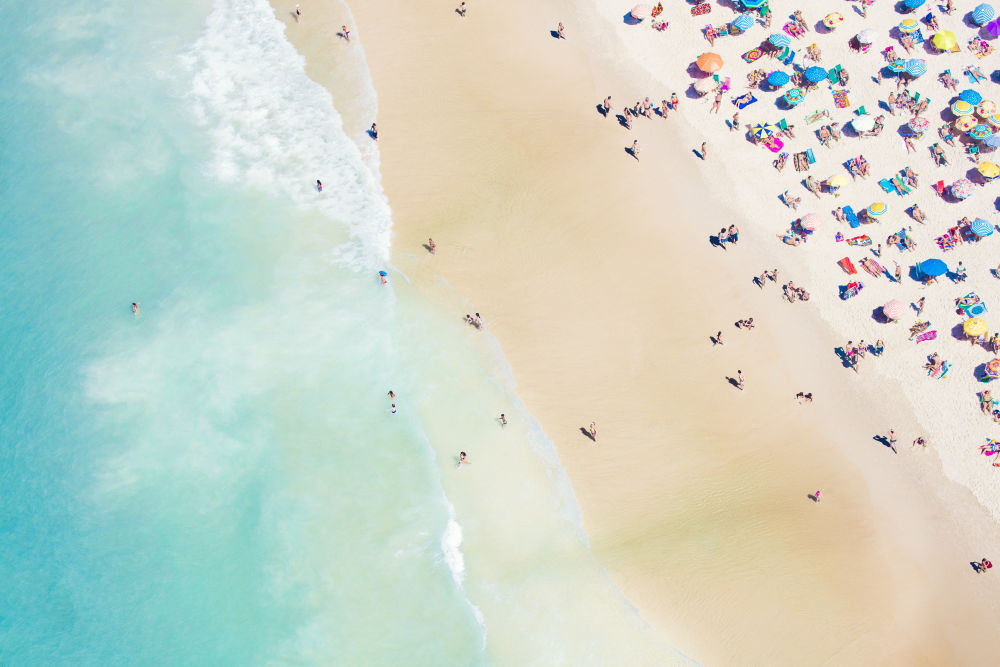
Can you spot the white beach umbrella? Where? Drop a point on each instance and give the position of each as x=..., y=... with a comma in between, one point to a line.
x=867, y=36
x=863, y=124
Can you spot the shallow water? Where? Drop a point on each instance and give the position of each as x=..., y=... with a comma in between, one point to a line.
x=218, y=479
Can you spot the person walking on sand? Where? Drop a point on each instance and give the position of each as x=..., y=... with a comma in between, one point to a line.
x=716, y=103
x=347, y=33
x=899, y=273
x=298, y=13
x=593, y=431
x=461, y=10
x=374, y=131
x=717, y=340
x=704, y=150
x=561, y=31
x=920, y=305
x=462, y=458
x=607, y=106
x=819, y=494
x=740, y=379
x=431, y=246
x=635, y=149
x=891, y=437
x=503, y=420
x=734, y=124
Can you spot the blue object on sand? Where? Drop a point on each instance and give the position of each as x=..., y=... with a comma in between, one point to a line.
x=933, y=267
x=971, y=96
x=852, y=217
x=778, y=78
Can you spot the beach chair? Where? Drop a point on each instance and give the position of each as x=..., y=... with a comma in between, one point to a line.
x=833, y=76
x=887, y=186
x=789, y=59
x=852, y=217
x=847, y=266
x=939, y=187
x=810, y=156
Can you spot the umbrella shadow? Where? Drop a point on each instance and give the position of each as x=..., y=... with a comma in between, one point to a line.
x=628, y=19
x=979, y=372
x=879, y=316
x=958, y=332
x=696, y=72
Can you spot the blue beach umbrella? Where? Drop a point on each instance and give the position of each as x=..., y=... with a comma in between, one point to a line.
x=913, y=4
x=915, y=67
x=981, y=131
x=981, y=227
x=780, y=40
x=743, y=22
x=897, y=66
x=794, y=96
x=815, y=74
x=778, y=78
x=932, y=267
x=993, y=141
x=971, y=96
x=982, y=14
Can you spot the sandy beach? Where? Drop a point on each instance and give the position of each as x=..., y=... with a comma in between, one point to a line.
x=595, y=273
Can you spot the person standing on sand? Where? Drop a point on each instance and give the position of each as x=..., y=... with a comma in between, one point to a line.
x=503, y=420
x=593, y=431
x=674, y=101
x=298, y=13
x=431, y=246
x=920, y=305
x=899, y=273
x=347, y=33
x=663, y=108
x=733, y=234
x=635, y=149
x=560, y=31
x=704, y=150
x=734, y=124
x=718, y=339
x=461, y=10
x=374, y=131
x=739, y=379
x=716, y=103
x=607, y=105
x=819, y=494
x=891, y=437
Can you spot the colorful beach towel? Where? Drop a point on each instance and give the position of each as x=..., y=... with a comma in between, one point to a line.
x=657, y=10
x=703, y=8
x=847, y=266
x=862, y=240
x=927, y=335
x=744, y=100
x=752, y=55
x=871, y=266
x=840, y=99
x=945, y=242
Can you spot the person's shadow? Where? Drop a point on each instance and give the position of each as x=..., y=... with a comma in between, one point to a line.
x=554, y=33
x=623, y=122
x=977, y=567
x=715, y=341
x=583, y=429
x=733, y=381
x=812, y=497
x=428, y=248
x=695, y=151
x=758, y=282
x=344, y=36
x=881, y=439
x=601, y=109
x=631, y=151
x=716, y=241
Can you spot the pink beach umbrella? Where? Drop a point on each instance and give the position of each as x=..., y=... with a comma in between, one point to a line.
x=641, y=11
x=810, y=221
x=894, y=309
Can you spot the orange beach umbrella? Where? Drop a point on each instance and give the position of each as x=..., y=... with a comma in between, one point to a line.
x=709, y=62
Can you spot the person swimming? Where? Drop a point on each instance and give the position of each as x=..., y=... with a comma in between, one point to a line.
x=135, y=307
x=319, y=185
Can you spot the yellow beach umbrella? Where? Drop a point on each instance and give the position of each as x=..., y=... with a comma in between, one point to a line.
x=986, y=107
x=833, y=19
x=965, y=123
x=988, y=169
x=945, y=40
x=877, y=209
x=836, y=180
x=962, y=108
x=975, y=327
x=993, y=119
x=909, y=25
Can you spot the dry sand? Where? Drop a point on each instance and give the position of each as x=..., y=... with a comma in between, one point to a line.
x=594, y=272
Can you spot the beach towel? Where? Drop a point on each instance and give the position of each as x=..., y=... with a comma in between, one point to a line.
x=703, y=8
x=847, y=266
x=945, y=242
x=752, y=55
x=817, y=115
x=927, y=335
x=863, y=240
x=852, y=217
x=887, y=186
x=871, y=266
x=745, y=100
x=901, y=186
x=939, y=186
x=809, y=154
x=850, y=289
x=657, y=10
x=840, y=99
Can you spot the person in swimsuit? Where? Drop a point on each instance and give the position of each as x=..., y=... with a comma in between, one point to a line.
x=431, y=246
x=593, y=431
x=298, y=13
x=462, y=459
x=319, y=185
x=561, y=31
x=135, y=307
x=503, y=420
x=347, y=33
x=374, y=131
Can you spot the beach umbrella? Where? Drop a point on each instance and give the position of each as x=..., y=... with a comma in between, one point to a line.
x=641, y=11
x=945, y=40
x=993, y=27
x=961, y=108
x=962, y=188
x=815, y=74
x=981, y=131
x=754, y=4
x=971, y=96
x=863, y=123
x=933, y=267
x=982, y=14
x=810, y=221
x=867, y=36
x=836, y=181
x=877, y=209
x=988, y=170
x=965, y=123
x=897, y=66
x=993, y=119
x=709, y=62
x=705, y=85
x=975, y=327
x=986, y=107
x=909, y=25
x=992, y=141
x=833, y=19
x=778, y=78
x=894, y=309
x=981, y=227
x=919, y=124
x=780, y=40
x=915, y=67
x=993, y=368
x=762, y=130
x=913, y=4
x=743, y=22
x=794, y=96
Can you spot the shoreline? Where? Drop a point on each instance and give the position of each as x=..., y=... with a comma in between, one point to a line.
x=509, y=134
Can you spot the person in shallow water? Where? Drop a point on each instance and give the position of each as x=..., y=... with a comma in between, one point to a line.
x=319, y=185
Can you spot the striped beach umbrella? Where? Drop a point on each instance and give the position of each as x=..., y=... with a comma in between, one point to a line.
x=794, y=95
x=965, y=123
x=975, y=327
x=897, y=66
x=981, y=227
x=909, y=25
x=993, y=141
x=743, y=22
x=815, y=74
x=962, y=188
x=867, y=36
x=778, y=78
x=993, y=368
x=833, y=19
x=762, y=130
x=971, y=96
x=810, y=221
x=988, y=170
x=894, y=309
x=641, y=11
x=754, y=4
x=981, y=131
x=915, y=67
x=877, y=209
x=986, y=107
x=913, y=4
x=780, y=40
x=982, y=14
x=993, y=119
x=919, y=124
x=945, y=40
x=961, y=108
x=993, y=27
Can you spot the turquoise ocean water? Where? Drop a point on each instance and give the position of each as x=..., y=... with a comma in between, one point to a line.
x=218, y=479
